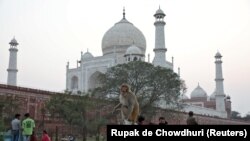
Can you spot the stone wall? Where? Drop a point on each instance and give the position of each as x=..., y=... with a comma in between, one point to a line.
x=33, y=100
x=179, y=118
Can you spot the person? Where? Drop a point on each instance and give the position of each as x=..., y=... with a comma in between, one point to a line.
x=16, y=127
x=141, y=120
x=45, y=136
x=33, y=137
x=28, y=126
x=162, y=121
x=191, y=120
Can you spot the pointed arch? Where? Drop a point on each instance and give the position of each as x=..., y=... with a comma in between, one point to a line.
x=74, y=82
x=93, y=81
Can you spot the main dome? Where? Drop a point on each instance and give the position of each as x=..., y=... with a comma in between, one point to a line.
x=122, y=35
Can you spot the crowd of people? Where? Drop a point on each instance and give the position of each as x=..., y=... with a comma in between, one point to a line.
x=25, y=129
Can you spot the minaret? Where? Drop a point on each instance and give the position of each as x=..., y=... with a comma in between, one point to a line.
x=219, y=96
x=173, y=62
x=160, y=49
x=148, y=58
x=179, y=72
x=67, y=76
x=12, y=70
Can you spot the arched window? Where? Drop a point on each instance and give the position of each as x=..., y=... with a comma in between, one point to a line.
x=74, y=82
x=93, y=81
x=135, y=59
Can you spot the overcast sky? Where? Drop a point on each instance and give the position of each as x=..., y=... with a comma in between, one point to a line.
x=52, y=32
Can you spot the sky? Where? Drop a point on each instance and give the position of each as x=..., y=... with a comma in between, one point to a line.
x=52, y=32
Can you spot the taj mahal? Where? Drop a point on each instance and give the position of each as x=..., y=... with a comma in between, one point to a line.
x=123, y=43
x=120, y=44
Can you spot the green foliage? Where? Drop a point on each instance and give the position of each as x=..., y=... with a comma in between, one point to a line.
x=9, y=105
x=95, y=125
x=150, y=84
x=235, y=115
x=71, y=108
x=1, y=124
x=66, y=106
x=1, y=128
x=247, y=117
x=84, y=114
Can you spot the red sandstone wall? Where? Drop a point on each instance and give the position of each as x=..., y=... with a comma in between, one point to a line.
x=33, y=100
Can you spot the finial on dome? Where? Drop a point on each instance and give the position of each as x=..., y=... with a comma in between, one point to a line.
x=159, y=7
x=123, y=13
x=87, y=50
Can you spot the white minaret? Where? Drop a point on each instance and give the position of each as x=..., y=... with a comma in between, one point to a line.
x=160, y=49
x=179, y=72
x=12, y=70
x=67, y=76
x=219, y=96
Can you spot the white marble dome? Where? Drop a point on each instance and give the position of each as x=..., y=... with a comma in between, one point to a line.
x=87, y=56
x=122, y=35
x=133, y=50
x=198, y=92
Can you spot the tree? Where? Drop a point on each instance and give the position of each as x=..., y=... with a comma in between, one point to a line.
x=70, y=108
x=94, y=126
x=9, y=105
x=1, y=128
x=150, y=84
x=235, y=115
x=247, y=116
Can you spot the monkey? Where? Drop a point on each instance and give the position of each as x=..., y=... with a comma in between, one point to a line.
x=129, y=105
